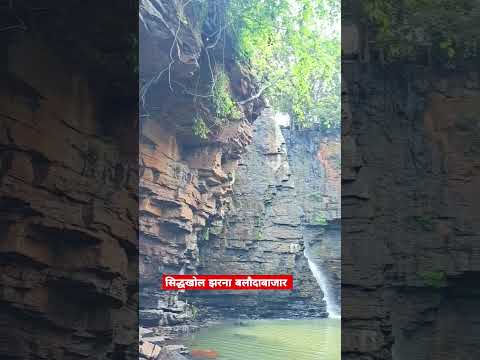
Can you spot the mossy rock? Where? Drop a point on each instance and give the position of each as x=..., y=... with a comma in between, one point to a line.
x=319, y=220
x=434, y=279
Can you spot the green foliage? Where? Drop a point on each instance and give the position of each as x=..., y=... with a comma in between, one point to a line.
x=258, y=234
x=294, y=49
x=434, y=279
x=225, y=107
x=426, y=221
x=199, y=128
x=319, y=220
x=447, y=28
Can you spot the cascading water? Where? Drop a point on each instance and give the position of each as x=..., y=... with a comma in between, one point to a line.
x=332, y=308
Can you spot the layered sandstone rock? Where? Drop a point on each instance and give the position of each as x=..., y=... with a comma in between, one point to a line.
x=282, y=190
x=262, y=234
x=180, y=193
x=68, y=249
x=314, y=158
x=410, y=250
x=186, y=180
x=217, y=204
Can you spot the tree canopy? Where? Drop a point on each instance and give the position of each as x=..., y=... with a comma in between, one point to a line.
x=294, y=49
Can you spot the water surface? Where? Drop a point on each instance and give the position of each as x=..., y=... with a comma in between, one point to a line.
x=317, y=339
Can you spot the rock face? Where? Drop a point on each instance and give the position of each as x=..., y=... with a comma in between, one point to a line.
x=68, y=249
x=215, y=204
x=410, y=249
x=314, y=158
x=186, y=180
x=181, y=190
x=264, y=231
x=259, y=224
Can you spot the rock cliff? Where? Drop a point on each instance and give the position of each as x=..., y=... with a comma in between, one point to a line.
x=186, y=177
x=410, y=250
x=314, y=158
x=283, y=197
x=68, y=194
x=224, y=200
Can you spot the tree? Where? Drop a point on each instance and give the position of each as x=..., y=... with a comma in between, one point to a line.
x=294, y=49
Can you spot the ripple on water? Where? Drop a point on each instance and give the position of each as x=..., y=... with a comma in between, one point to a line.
x=273, y=340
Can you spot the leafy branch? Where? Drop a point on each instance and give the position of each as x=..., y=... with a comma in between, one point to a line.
x=288, y=41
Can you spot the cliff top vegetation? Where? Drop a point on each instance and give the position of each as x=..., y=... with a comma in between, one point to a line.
x=444, y=31
x=294, y=49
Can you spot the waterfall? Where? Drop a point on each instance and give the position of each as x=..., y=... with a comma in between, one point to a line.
x=332, y=308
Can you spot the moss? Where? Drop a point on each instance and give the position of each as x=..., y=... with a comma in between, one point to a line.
x=319, y=220
x=426, y=221
x=434, y=279
x=258, y=235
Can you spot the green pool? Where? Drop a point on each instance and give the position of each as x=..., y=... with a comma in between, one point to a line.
x=272, y=340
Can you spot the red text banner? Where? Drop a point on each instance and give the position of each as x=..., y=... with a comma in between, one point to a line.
x=227, y=282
